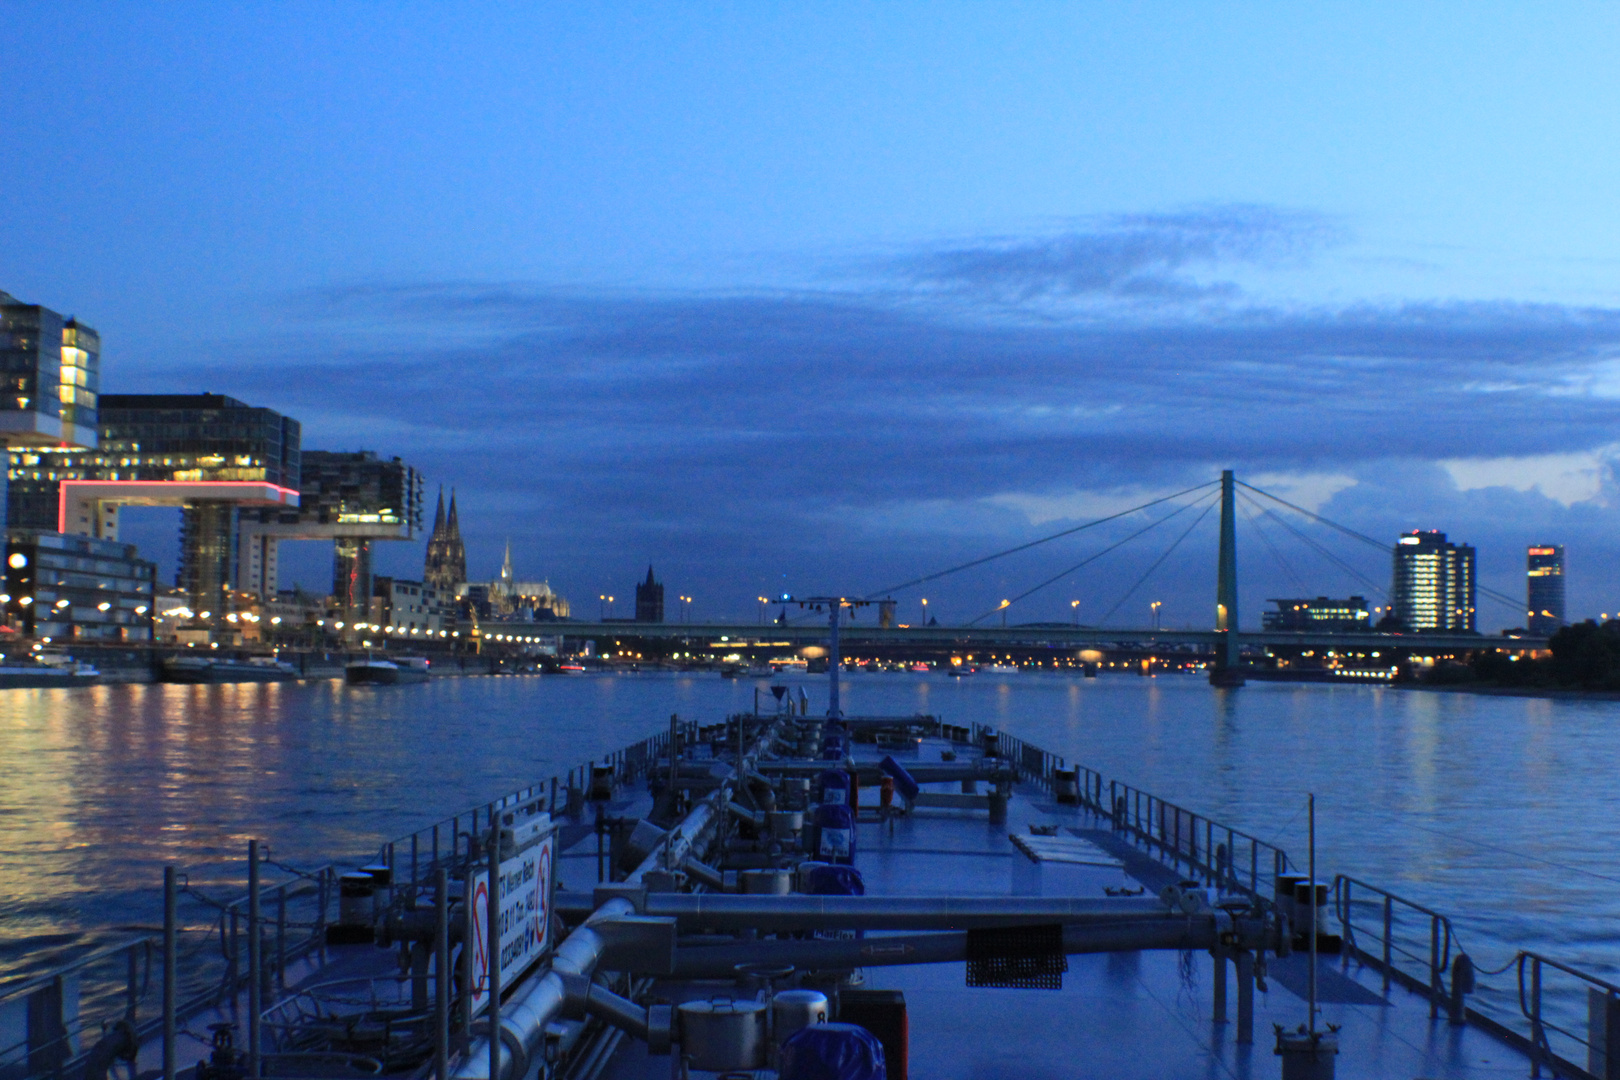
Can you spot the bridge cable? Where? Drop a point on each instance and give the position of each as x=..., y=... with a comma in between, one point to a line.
x=1083, y=562
x=1035, y=543
x=1484, y=590
x=1323, y=551
x=1265, y=538
x=1363, y=537
x=1159, y=562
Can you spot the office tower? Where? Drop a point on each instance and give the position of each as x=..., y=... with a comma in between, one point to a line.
x=1433, y=586
x=50, y=370
x=1545, y=588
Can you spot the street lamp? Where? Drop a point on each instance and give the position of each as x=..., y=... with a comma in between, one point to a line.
x=1156, y=605
x=762, y=603
x=1005, y=604
x=601, y=606
x=925, y=611
x=1074, y=605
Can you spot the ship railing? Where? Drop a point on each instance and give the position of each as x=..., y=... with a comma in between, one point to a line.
x=1230, y=859
x=1552, y=996
x=293, y=919
x=1404, y=941
x=51, y=1022
x=1556, y=1015
x=456, y=842
x=47, y=1019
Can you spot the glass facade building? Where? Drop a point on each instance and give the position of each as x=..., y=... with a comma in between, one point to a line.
x=1322, y=613
x=169, y=437
x=66, y=587
x=1433, y=587
x=51, y=369
x=1545, y=588
x=354, y=498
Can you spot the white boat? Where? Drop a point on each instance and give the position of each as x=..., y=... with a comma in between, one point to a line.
x=1002, y=669
x=375, y=671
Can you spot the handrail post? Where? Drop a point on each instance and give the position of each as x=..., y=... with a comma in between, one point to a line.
x=281, y=939
x=1434, y=967
x=441, y=976
x=1389, y=930
x=255, y=962
x=1538, y=1033
x=170, y=951
x=493, y=954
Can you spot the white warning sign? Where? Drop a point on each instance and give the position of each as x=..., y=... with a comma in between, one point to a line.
x=525, y=916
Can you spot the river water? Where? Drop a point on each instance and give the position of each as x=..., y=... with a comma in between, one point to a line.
x=1498, y=811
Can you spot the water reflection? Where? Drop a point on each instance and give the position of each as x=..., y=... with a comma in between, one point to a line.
x=1478, y=805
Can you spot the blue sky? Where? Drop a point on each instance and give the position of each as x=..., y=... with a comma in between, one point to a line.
x=823, y=296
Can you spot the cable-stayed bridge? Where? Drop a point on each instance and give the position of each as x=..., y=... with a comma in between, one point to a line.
x=1223, y=641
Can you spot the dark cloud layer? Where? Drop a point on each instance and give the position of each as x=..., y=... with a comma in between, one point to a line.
x=845, y=439
x=1139, y=256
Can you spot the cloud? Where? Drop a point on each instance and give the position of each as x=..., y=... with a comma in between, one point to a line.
x=844, y=438
x=1565, y=478
x=1141, y=257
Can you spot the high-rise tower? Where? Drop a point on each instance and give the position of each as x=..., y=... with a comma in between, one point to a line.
x=1545, y=593
x=1434, y=582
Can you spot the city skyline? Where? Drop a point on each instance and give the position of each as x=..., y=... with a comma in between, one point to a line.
x=854, y=304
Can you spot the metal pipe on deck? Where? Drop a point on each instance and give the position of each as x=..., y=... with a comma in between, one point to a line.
x=783, y=913
x=537, y=1001
x=922, y=772
x=716, y=961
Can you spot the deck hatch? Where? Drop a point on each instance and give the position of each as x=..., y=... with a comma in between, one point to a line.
x=1064, y=849
x=1017, y=958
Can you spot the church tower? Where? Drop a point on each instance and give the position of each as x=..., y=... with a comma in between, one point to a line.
x=446, y=564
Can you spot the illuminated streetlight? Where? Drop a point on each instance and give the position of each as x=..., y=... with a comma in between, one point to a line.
x=925, y=611
x=1074, y=605
x=1005, y=604
x=1156, y=605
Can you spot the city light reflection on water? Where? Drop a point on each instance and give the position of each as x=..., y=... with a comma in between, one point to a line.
x=1477, y=805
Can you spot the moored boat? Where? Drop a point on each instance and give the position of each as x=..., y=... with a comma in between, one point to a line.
x=58, y=672
x=225, y=669
x=376, y=671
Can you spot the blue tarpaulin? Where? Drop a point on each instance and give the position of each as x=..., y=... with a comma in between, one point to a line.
x=832, y=1052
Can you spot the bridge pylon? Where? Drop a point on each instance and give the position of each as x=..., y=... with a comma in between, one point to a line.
x=1228, y=670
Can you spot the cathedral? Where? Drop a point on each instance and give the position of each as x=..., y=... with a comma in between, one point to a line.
x=446, y=564
x=445, y=569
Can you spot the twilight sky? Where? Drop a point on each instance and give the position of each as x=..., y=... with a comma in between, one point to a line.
x=824, y=297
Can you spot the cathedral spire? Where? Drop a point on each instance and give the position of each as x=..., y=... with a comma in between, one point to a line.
x=446, y=564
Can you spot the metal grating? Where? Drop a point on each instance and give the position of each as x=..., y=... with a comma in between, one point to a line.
x=1017, y=958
